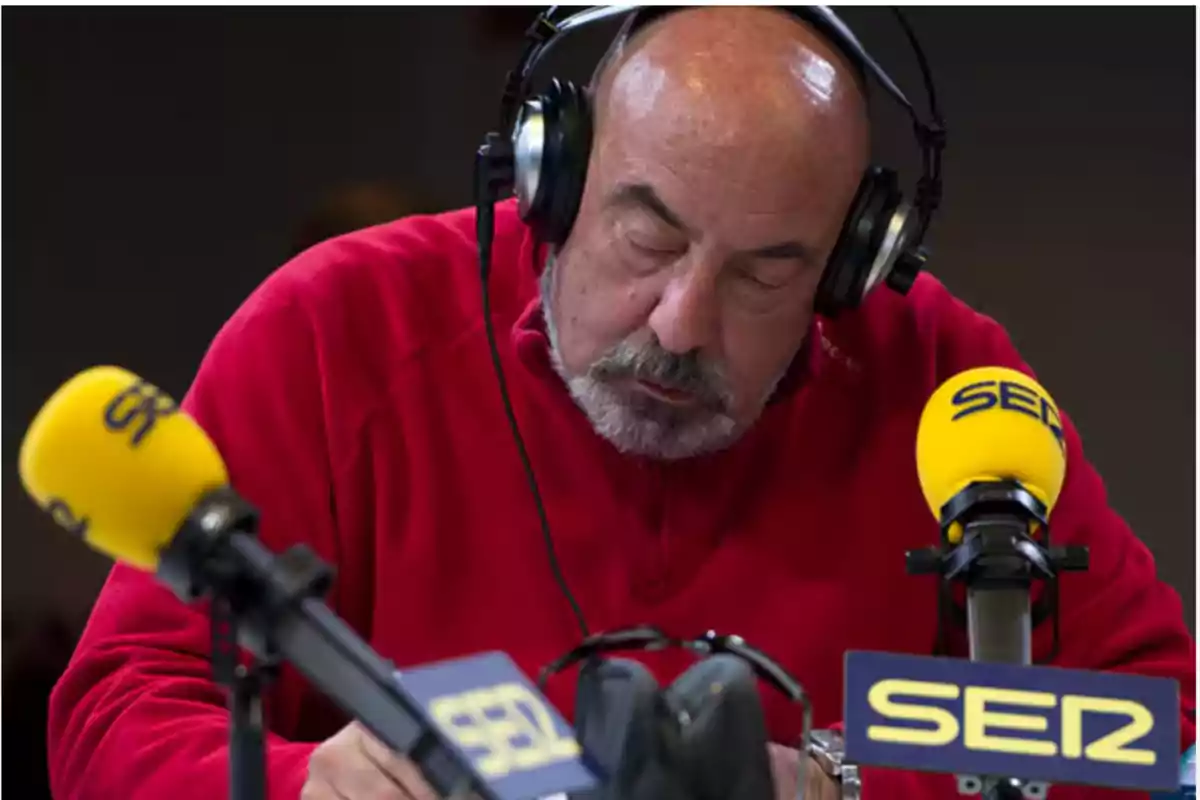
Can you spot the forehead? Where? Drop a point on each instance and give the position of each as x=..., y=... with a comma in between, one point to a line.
x=716, y=130
x=737, y=178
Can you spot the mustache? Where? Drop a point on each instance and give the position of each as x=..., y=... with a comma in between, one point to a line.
x=688, y=372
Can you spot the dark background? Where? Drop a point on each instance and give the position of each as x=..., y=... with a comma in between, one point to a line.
x=160, y=163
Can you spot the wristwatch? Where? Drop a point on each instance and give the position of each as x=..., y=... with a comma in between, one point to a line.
x=828, y=749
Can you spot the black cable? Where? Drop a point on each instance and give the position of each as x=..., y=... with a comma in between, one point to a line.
x=926, y=73
x=516, y=83
x=485, y=226
x=932, y=137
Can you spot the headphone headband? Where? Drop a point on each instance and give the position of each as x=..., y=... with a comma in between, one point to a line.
x=541, y=148
x=544, y=33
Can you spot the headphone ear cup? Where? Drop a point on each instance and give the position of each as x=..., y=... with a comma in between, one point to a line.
x=844, y=283
x=724, y=748
x=550, y=183
x=623, y=728
x=568, y=172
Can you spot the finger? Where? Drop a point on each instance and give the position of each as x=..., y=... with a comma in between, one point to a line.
x=818, y=785
x=361, y=779
x=785, y=770
x=320, y=789
x=398, y=770
x=473, y=795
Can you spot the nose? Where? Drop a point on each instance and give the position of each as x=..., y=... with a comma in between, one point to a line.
x=685, y=318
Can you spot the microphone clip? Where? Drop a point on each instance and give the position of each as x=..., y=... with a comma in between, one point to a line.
x=996, y=535
x=996, y=532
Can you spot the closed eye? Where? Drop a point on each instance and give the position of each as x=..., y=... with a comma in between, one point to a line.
x=759, y=281
x=761, y=284
x=655, y=249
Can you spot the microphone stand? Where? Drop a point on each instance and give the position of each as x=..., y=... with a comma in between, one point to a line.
x=247, y=745
x=1004, y=548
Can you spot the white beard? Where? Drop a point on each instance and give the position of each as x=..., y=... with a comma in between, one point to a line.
x=635, y=423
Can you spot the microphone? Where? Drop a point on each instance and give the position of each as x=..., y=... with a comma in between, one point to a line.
x=114, y=460
x=991, y=460
x=990, y=425
x=89, y=459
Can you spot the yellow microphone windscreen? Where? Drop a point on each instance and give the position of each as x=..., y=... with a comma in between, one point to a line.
x=114, y=460
x=990, y=424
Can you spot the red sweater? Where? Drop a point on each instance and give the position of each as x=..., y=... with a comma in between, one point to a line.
x=354, y=401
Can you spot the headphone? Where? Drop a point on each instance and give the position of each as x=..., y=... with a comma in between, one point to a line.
x=608, y=689
x=542, y=152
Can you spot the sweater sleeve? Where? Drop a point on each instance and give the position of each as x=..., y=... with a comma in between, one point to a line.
x=136, y=713
x=1118, y=616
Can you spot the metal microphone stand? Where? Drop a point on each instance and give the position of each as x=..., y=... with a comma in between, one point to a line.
x=996, y=542
x=247, y=744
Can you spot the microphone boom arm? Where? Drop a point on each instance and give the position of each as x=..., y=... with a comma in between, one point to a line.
x=271, y=604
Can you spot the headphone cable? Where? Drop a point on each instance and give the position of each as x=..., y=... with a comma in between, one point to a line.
x=931, y=137
x=485, y=227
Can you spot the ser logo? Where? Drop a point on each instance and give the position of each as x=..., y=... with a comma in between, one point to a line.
x=140, y=405
x=1052, y=724
x=507, y=726
x=61, y=513
x=1025, y=711
x=1007, y=396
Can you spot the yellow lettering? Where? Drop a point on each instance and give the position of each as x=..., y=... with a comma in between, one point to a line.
x=977, y=719
x=503, y=727
x=880, y=699
x=556, y=746
x=458, y=716
x=1111, y=748
x=494, y=719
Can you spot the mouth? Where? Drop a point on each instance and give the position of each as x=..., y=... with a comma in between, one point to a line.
x=675, y=397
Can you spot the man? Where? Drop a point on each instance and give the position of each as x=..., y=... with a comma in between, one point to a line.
x=710, y=453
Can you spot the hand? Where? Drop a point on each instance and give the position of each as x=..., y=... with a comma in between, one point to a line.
x=354, y=764
x=786, y=767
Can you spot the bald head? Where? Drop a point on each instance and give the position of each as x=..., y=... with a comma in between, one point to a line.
x=718, y=65
x=728, y=147
x=736, y=98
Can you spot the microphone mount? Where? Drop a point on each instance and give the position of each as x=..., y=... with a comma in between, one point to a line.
x=996, y=543
x=996, y=535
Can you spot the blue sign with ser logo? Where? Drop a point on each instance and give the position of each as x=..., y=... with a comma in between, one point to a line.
x=1038, y=723
x=515, y=740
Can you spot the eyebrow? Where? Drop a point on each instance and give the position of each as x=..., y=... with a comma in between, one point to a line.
x=642, y=196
